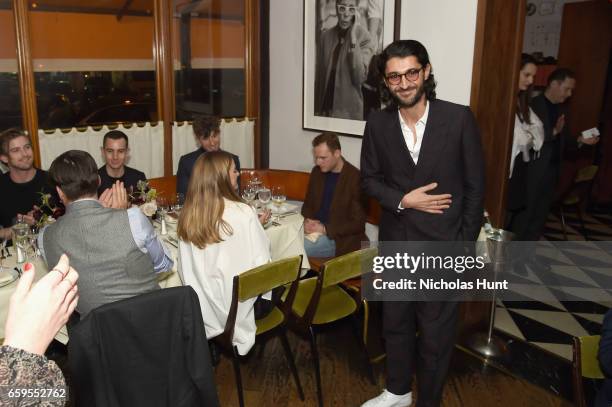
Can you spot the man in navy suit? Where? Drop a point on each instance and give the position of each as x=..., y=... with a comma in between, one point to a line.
x=422, y=159
x=208, y=133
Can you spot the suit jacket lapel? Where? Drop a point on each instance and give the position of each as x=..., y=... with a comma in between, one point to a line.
x=434, y=141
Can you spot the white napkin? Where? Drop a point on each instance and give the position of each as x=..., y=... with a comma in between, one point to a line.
x=6, y=277
x=313, y=237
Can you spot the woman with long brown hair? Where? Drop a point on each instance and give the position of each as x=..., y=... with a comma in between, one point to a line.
x=527, y=141
x=220, y=237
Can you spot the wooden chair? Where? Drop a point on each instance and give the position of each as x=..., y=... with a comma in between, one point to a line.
x=585, y=365
x=251, y=284
x=165, y=186
x=321, y=300
x=577, y=195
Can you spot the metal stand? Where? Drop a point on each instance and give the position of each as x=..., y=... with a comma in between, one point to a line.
x=487, y=344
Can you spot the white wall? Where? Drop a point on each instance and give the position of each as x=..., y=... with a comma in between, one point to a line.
x=445, y=27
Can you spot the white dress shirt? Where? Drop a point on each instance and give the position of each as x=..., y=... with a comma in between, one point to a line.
x=210, y=271
x=414, y=146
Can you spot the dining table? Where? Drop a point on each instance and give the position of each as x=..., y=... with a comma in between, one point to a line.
x=285, y=231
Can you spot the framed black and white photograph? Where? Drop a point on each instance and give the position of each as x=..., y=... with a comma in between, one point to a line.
x=341, y=38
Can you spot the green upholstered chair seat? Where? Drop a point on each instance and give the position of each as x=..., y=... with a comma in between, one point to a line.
x=334, y=304
x=571, y=200
x=589, y=347
x=270, y=321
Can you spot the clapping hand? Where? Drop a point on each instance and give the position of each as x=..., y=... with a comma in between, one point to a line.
x=114, y=197
x=559, y=125
x=313, y=226
x=420, y=200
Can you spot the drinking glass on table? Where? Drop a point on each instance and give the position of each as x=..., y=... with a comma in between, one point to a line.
x=255, y=182
x=21, y=238
x=264, y=195
x=178, y=202
x=2, y=248
x=278, y=198
x=248, y=194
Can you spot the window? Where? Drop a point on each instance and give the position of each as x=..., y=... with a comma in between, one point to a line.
x=208, y=49
x=93, y=64
x=10, y=99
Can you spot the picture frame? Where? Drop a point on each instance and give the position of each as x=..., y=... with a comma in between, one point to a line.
x=349, y=33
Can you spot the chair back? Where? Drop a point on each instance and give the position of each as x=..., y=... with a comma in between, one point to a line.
x=579, y=190
x=119, y=351
x=257, y=281
x=586, y=174
x=584, y=365
x=348, y=266
x=267, y=277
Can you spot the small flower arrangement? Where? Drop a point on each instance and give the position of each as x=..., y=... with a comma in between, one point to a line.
x=145, y=198
x=47, y=212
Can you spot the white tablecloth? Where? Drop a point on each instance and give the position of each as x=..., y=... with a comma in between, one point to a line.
x=286, y=240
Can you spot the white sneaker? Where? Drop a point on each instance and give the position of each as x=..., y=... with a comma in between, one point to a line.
x=388, y=399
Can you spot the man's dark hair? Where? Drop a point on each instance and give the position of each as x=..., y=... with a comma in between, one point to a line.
x=329, y=138
x=559, y=75
x=403, y=49
x=115, y=135
x=205, y=126
x=7, y=135
x=75, y=173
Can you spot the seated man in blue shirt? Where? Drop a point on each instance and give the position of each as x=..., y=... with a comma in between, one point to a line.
x=115, y=250
x=334, y=215
x=207, y=131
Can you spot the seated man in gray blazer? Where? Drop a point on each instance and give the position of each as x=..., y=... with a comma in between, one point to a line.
x=115, y=250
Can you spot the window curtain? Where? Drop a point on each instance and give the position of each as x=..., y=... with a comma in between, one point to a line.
x=146, y=146
x=237, y=137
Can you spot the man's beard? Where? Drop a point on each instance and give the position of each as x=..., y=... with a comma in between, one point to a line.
x=411, y=101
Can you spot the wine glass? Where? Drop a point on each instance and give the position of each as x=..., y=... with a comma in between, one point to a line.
x=179, y=202
x=248, y=194
x=278, y=198
x=264, y=194
x=2, y=248
x=255, y=182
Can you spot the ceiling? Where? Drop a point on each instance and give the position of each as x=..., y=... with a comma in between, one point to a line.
x=226, y=9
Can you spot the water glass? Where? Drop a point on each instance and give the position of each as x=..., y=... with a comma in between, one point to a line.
x=278, y=198
x=264, y=195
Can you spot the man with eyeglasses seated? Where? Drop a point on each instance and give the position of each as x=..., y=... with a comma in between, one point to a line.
x=207, y=131
x=333, y=210
x=23, y=185
x=343, y=55
x=115, y=150
x=115, y=250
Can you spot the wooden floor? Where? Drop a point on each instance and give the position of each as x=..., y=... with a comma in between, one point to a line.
x=268, y=382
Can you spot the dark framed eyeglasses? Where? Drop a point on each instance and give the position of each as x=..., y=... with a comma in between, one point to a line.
x=346, y=9
x=395, y=78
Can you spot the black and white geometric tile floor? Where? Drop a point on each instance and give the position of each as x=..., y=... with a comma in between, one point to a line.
x=550, y=325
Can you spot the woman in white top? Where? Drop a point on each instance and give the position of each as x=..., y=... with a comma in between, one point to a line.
x=527, y=141
x=219, y=237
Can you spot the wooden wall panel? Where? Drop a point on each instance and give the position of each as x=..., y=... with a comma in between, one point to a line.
x=499, y=39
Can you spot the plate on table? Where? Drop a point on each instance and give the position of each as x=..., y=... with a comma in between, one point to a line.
x=7, y=276
x=285, y=208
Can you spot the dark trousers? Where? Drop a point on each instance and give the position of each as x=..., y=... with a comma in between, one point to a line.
x=541, y=183
x=429, y=354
